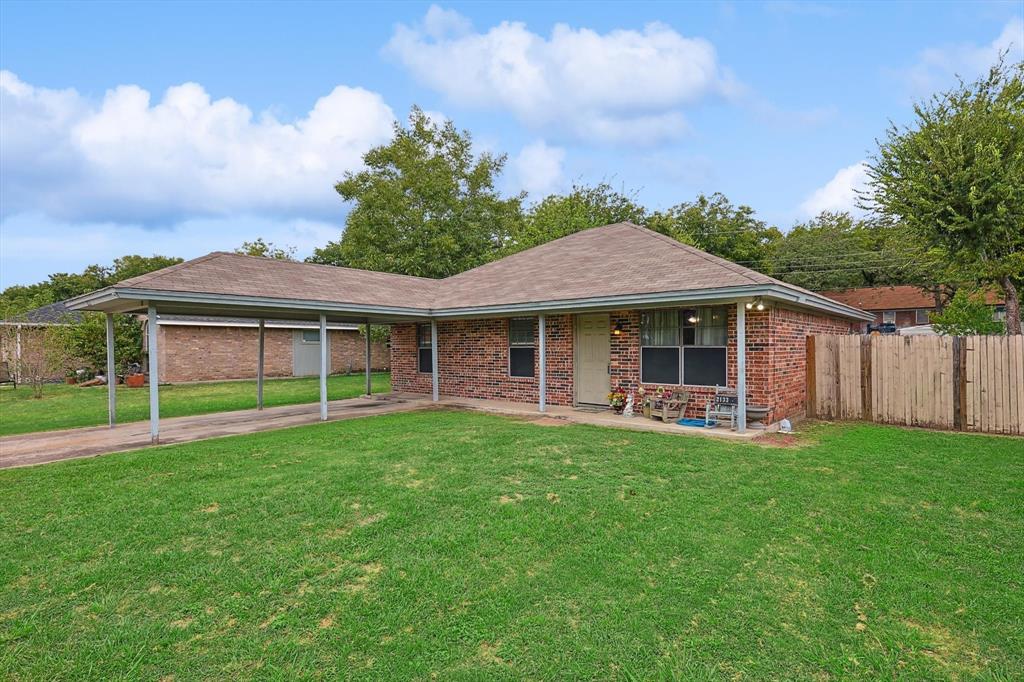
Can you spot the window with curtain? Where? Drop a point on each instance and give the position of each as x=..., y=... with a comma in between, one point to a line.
x=686, y=346
x=659, y=347
x=426, y=355
x=521, y=348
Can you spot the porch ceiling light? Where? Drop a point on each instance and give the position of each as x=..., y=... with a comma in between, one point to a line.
x=756, y=304
x=693, y=319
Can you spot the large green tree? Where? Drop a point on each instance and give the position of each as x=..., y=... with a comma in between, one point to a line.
x=713, y=224
x=955, y=176
x=558, y=215
x=425, y=205
x=265, y=249
x=837, y=251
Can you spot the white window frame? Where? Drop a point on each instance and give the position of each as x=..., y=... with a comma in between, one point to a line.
x=888, y=317
x=917, y=316
x=532, y=344
x=302, y=336
x=420, y=346
x=681, y=381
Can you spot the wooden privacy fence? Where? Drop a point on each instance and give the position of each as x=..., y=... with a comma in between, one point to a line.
x=966, y=383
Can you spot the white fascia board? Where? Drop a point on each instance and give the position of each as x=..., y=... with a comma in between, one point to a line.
x=254, y=323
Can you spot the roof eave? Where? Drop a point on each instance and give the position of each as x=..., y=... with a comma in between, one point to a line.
x=661, y=299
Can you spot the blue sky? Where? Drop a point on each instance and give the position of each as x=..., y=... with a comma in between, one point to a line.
x=187, y=127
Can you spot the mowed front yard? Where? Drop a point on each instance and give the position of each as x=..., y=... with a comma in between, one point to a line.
x=463, y=546
x=66, y=407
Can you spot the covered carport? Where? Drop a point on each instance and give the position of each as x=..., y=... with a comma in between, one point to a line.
x=233, y=285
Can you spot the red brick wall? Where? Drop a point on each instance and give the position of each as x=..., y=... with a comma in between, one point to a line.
x=790, y=329
x=205, y=353
x=625, y=359
x=473, y=361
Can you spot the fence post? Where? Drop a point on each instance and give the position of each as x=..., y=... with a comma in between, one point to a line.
x=865, y=379
x=959, y=383
x=812, y=392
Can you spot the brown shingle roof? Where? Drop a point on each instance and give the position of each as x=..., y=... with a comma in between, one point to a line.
x=902, y=297
x=239, y=275
x=611, y=261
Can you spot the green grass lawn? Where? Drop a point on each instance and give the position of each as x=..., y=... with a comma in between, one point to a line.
x=467, y=546
x=65, y=407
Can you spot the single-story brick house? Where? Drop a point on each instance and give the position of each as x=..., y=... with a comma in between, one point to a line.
x=561, y=323
x=898, y=307
x=210, y=348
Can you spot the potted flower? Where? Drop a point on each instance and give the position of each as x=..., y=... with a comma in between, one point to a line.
x=617, y=400
x=645, y=401
x=71, y=377
x=135, y=380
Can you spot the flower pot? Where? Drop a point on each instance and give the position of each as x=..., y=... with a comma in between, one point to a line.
x=70, y=380
x=135, y=380
x=618, y=408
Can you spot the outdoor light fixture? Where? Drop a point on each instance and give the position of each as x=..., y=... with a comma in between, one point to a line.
x=760, y=304
x=750, y=305
x=617, y=331
x=693, y=319
x=757, y=304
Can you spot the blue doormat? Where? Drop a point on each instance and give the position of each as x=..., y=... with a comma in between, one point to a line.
x=696, y=422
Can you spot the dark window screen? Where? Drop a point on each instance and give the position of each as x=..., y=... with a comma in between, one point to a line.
x=426, y=360
x=660, y=365
x=704, y=366
x=520, y=361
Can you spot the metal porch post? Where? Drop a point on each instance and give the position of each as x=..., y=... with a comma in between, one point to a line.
x=369, y=365
x=543, y=384
x=154, y=374
x=433, y=358
x=323, y=367
x=111, y=377
x=741, y=367
x=259, y=367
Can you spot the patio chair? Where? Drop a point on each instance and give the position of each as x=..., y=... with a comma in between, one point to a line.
x=723, y=406
x=5, y=375
x=669, y=408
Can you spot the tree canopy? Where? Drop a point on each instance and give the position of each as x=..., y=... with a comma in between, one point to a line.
x=60, y=286
x=265, y=249
x=966, y=315
x=955, y=178
x=425, y=205
x=714, y=224
x=559, y=215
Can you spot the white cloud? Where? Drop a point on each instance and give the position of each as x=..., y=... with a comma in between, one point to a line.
x=620, y=86
x=538, y=168
x=839, y=193
x=127, y=159
x=937, y=67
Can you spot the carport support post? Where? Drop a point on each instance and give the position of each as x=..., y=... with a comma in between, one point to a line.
x=111, y=377
x=259, y=367
x=369, y=366
x=154, y=374
x=435, y=380
x=323, y=367
x=543, y=384
x=741, y=367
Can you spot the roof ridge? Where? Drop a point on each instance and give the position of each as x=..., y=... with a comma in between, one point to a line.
x=323, y=265
x=577, y=233
x=157, y=274
x=711, y=258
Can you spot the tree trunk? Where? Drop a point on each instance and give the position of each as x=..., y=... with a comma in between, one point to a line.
x=1012, y=307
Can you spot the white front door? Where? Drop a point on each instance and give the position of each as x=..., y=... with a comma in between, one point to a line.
x=593, y=333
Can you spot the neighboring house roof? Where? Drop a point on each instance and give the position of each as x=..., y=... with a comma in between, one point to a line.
x=600, y=268
x=54, y=313
x=214, y=321
x=903, y=297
